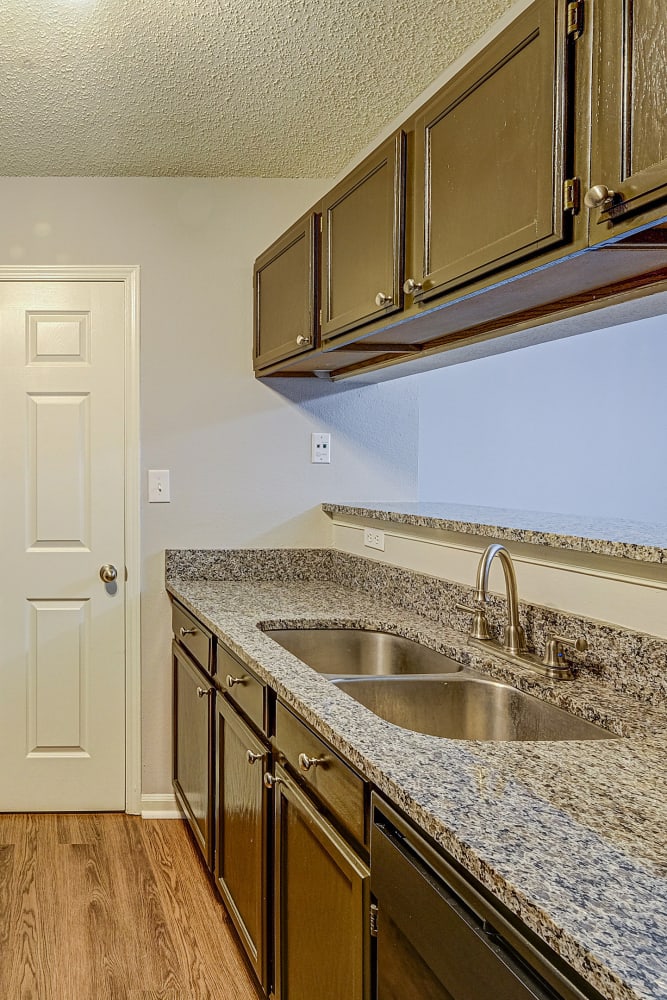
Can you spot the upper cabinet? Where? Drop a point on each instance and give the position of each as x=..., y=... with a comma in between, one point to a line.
x=286, y=282
x=363, y=241
x=478, y=218
x=491, y=155
x=629, y=121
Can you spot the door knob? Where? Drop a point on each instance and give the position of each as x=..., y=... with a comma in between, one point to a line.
x=108, y=573
x=382, y=300
x=599, y=196
x=302, y=341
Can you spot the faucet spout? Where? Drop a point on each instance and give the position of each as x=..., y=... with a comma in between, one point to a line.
x=515, y=636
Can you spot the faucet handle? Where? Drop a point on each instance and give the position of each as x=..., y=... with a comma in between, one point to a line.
x=553, y=653
x=480, y=625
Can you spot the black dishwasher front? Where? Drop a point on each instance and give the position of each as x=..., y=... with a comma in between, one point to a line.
x=439, y=938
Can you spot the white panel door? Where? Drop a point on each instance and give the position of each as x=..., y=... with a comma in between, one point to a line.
x=62, y=467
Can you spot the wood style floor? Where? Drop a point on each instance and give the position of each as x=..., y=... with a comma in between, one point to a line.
x=111, y=907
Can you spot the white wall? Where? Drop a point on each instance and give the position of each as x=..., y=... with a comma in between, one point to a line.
x=575, y=426
x=238, y=450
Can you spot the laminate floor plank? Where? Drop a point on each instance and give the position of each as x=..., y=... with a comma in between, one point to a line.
x=110, y=907
x=154, y=962
x=194, y=909
x=23, y=960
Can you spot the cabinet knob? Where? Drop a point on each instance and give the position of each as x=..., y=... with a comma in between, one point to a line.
x=231, y=681
x=253, y=757
x=599, y=196
x=411, y=286
x=187, y=631
x=202, y=692
x=270, y=781
x=382, y=300
x=302, y=341
x=306, y=762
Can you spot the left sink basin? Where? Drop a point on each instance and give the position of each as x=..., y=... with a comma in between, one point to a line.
x=362, y=652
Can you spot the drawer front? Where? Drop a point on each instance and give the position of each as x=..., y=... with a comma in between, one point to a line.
x=194, y=636
x=241, y=686
x=334, y=782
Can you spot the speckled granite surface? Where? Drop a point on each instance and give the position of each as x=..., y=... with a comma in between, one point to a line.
x=632, y=662
x=606, y=537
x=570, y=836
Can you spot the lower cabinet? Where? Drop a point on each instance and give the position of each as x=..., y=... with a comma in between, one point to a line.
x=322, y=904
x=242, y=826
x=192, y=745
x=278, y=827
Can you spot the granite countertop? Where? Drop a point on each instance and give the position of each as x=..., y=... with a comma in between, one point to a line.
x=569, y=836
x=602, y=536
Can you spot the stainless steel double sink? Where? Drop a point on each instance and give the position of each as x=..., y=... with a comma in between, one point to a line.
x=415, y=687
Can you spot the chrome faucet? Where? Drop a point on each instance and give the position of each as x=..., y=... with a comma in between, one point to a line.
x=514, y=638
x=554, y=663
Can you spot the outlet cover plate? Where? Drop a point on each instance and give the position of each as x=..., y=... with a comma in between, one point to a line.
x=320, y=448
x=374, y=539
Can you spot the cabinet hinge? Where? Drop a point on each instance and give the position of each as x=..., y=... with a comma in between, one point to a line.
x=320, y=317
x=575, y=18
x=374, y=920
x=571, y=195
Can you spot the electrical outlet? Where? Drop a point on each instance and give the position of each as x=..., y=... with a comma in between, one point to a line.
x=374, y=539
x=320, y=448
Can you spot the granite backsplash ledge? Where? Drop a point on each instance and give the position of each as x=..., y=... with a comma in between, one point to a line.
x=621, y=539
x=633, y=663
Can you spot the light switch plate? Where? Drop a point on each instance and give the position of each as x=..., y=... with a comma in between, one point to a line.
x=158, y=486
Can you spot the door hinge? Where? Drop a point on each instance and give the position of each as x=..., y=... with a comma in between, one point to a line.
x=575, y=18
x=374, y=920
x=571, y=194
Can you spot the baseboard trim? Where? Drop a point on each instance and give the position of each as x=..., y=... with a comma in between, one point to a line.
x=160, y=806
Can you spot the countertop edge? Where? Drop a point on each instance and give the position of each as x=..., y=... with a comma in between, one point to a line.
x=615, y=548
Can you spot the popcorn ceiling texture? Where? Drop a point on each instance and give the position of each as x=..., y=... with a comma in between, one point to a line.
x=259, y=88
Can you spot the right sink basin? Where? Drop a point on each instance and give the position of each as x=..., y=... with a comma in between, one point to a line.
x=463, y=707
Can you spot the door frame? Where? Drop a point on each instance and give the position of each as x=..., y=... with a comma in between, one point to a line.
x=129, y=276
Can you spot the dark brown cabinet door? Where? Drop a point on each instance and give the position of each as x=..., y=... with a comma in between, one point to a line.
x=322, y=905
x=629, y=134
x=491, y=155
x=363, y=241
x=286, y=282
x=193, y=748
x=242, y=823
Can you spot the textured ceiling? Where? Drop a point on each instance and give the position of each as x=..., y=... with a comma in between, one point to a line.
x=268, y=88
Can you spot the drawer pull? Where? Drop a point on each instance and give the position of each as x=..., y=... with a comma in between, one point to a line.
x=306, y=762
x=187, y=631
x=253, y=757
x=231, y=681
x=270, y=781
x=202, y=692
